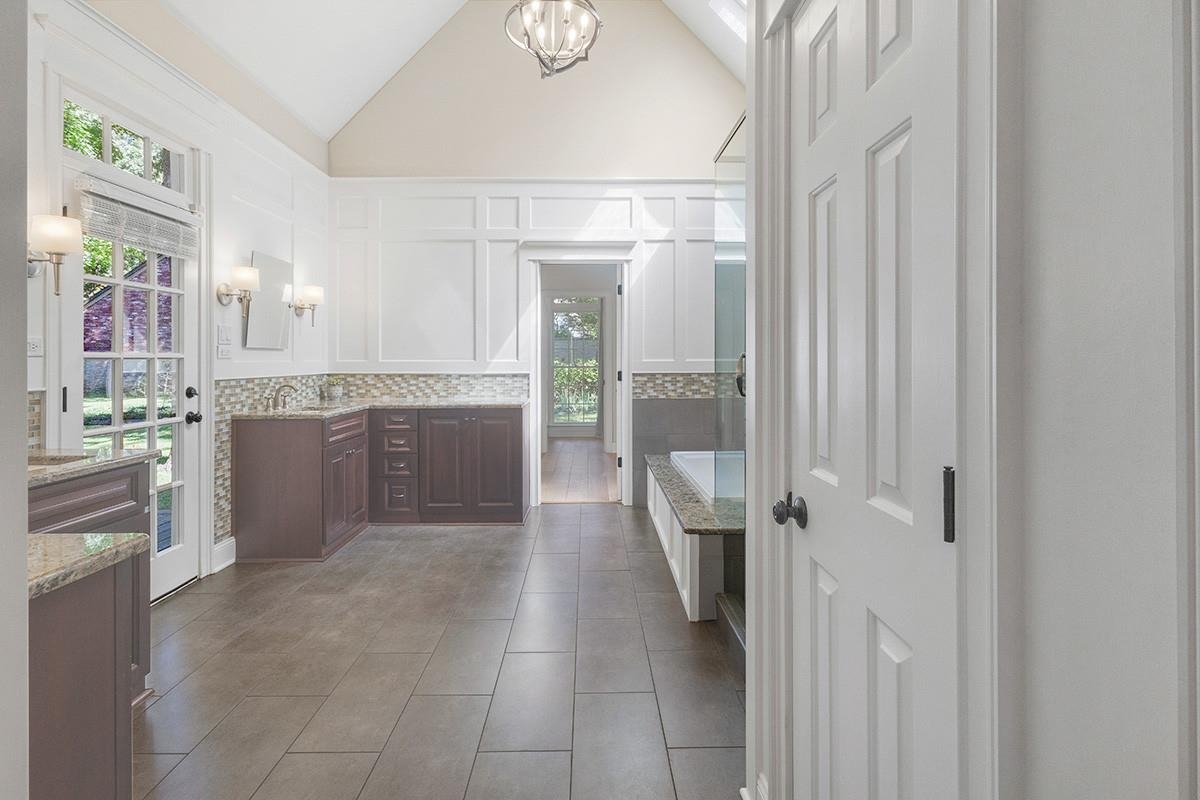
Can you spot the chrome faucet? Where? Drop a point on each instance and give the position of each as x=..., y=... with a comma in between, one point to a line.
x=279, y=400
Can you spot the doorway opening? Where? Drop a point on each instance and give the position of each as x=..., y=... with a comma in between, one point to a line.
x=579, y=362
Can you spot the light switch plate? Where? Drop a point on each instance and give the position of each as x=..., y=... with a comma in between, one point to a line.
x=224, y=334
x=224, y=351
x=35, y=347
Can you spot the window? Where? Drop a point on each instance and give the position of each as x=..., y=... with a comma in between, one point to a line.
x=576, y=361
x=98, y=137
x=132, y=358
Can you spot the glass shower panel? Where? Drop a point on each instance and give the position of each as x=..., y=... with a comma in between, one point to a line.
x=729, y=326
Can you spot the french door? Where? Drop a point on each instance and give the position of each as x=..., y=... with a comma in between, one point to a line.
x=130, y=376
x=871, y=399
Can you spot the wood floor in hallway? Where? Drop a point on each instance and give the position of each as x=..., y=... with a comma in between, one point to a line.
x=579, y=471
x=550, y=661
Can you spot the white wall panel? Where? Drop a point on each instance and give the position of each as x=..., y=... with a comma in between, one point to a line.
x=503, y=302
x=503, y=213
x=582, y=213
x=427, y=302
x=653, y=295
x=352, y=213
x=352, y=330
x=428, y=213
x=695, y=301
x=658, y=212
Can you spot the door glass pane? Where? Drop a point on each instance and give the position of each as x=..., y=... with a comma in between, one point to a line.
x=97, y=393
x=83, y=131
x=161, y=165
x=166, y=523
x=133, y=389
x=99, y=444
x=137, y=323
x=136, y=439
x=166, y=271
x=576, y=350
x=167, y=387
x=168, y=322
x=97, y=317
x=97, y=257
x=165, y=442
x=128, y=151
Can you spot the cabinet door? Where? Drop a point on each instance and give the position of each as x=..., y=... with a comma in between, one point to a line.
x=496, y=464
x=356, y=483
x=337, y=517
x=445, y=444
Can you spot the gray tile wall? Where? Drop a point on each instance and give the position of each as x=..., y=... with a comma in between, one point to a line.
x=662, y=426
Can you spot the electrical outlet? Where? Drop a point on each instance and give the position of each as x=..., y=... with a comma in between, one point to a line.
x=224, y=334
x=35, y=347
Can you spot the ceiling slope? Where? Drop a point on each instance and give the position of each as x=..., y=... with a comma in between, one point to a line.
x=721, y=25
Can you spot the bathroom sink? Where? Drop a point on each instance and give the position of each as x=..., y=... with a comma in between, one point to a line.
x=48, y=460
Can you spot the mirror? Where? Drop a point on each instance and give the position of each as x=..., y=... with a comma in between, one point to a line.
x=269, y=324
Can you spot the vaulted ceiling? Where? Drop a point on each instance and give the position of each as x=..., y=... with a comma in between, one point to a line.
x=325, y=59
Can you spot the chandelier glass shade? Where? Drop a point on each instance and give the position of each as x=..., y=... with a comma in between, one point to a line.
x=558, y=33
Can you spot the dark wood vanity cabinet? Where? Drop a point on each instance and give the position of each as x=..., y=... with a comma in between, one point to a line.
x=394, y=467
x=472, y=465
x=299, y=486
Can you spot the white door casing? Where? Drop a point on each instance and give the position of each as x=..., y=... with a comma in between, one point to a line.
x=870, y=410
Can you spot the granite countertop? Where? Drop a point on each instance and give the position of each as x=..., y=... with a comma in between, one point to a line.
x=56, y=560
x=696, y=514
x=352, y=405
x=50, y=466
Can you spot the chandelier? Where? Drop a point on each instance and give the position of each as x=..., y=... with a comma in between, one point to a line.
x=558, y=33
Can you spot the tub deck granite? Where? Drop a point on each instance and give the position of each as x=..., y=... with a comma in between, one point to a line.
x=696, y=515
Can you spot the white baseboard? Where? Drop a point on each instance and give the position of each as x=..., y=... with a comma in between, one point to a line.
x=224, y=553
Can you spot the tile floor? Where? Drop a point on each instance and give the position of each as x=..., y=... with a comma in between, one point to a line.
x=543, y=662
x=578, y=471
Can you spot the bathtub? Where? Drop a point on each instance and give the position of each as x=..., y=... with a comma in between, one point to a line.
x=702, y=468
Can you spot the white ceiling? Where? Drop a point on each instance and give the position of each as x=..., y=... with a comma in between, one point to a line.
x=325, y=59
x=716, y=23
x=322, y=59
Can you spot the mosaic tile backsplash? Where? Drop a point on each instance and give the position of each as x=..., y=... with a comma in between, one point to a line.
x=674, y=385
x=242, y=395
x=35, y=416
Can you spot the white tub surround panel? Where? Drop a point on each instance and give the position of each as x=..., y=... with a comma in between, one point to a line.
x=440, y=276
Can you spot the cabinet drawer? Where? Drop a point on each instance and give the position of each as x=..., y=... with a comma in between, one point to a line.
x=395, y=466
x=394, y=500
x=92, y=503
x=396, y=442
x=392, y=420
x=344, y=428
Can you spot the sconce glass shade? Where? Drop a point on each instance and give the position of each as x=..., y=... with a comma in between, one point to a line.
x=288, y=294
x=50, y=233
x=312, y=295
x=245, y=279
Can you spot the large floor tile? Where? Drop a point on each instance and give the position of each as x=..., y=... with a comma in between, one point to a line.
x=698, y=699
x=607, y=595
x=710, y=773
x=553, y=572
x=363, y=709
x=149, y=769
x=533, y=703
x=667, y=627
x=186, y=650
x=557, y=540
x=544, y=623
x=233, y=760
x=467, y=659
x=619, y=750
x=302, y=674
x=651, y=573
x=317, y=776
x=521, y=776
x=492, y=596
x=430, y=753
x=601, y=553
x=407, y=635
x=641, y=539
x=172, y=614
x=612, y=657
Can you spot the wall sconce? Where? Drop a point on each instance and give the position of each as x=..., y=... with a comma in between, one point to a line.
x=245, y=282
x=52, y=238
x=308, y=298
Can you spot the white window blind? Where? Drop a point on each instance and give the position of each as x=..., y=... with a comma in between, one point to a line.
x=174, y=232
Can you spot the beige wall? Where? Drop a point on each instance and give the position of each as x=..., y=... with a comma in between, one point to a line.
x=152, y=24
x=653, y=102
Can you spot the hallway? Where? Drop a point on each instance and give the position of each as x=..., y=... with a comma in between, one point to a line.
x=543, y=662
x=579, y=471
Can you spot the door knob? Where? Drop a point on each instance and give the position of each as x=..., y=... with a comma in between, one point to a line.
x=193, y=417
x=792, y=508
x=191, y=392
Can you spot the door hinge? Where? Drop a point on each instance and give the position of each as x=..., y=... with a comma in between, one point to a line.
x=620, y=462
x=620, y=288
x=64, y=399
x=620, y=375
x=948, y=531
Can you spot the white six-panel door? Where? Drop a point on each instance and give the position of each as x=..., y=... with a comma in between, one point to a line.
x=871, y=284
